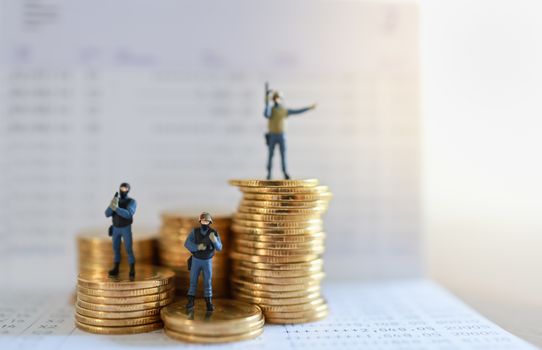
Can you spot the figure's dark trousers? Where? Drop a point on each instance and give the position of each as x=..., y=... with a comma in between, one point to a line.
x=205, y=267
x=124, y=234
x=274, y=140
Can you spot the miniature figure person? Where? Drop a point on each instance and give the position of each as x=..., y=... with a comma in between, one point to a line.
x=122, y=211
x=202, y=242
x=276, y=115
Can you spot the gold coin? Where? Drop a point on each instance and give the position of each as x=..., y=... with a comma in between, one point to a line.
x=265, y=287
x=315, y=277
x=279, y=252
x=274, y=259
x=239, y=270
x=310, y=245
x=315, y=189
x=293, y=197
x=116, y=314
x=311, y=265
x=320, y=205
x=304, y=306
x=126, y=300
x=280, y=238
x=306, y=224
x=277, y=240
x=124, y=307
x=274, y=218
x=277, y=231
x=316, y=211
x=279, y=302
x=119, y=330
x=313, y=318
x=264, y=291
x=229, y=317
x=124, y=293
x=219, y=330
x=298, y=314
x=146, y=277
x=192, y=338
x=117, y=322
x=274, y=183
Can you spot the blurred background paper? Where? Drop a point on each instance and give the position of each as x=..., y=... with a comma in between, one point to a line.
x=168, y=95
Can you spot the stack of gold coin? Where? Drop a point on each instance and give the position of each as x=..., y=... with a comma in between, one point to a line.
x=95, y=249
x=232, y=320
x=278, y=241
x=120, y=305
x=175, y=229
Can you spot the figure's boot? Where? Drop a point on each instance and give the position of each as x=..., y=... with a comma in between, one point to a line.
x=115, y=270
x=286, y=176
x=210, y=306
x=132, y=271
x=190, y=303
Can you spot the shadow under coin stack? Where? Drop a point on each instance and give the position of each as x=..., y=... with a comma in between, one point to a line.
x=96, y=250
x=118, y=305
x=175, y=229
x=231, y=321
x=278, y=241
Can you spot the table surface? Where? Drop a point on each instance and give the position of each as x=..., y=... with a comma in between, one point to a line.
x=522, y=320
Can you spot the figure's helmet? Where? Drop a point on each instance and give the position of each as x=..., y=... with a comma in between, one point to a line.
x=124, y=188
x=276, y=94
x=205, y=216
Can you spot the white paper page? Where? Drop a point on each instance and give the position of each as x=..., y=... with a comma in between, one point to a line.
x=168, y=95
x=405, y=314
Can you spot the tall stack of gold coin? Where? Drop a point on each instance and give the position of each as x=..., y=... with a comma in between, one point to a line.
x=96, y=250
x=278, y=240
x=119, y=305
x=232, y=320
x=175, y=229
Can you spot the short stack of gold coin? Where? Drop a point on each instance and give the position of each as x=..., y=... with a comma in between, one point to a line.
x=95, y=249
x=232, y=320
x=175, y=229
x=278, y=241
x=120, y=305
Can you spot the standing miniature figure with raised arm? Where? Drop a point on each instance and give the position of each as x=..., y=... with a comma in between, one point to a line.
x=276, y=114
x=202, y=242
x=122, y=211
